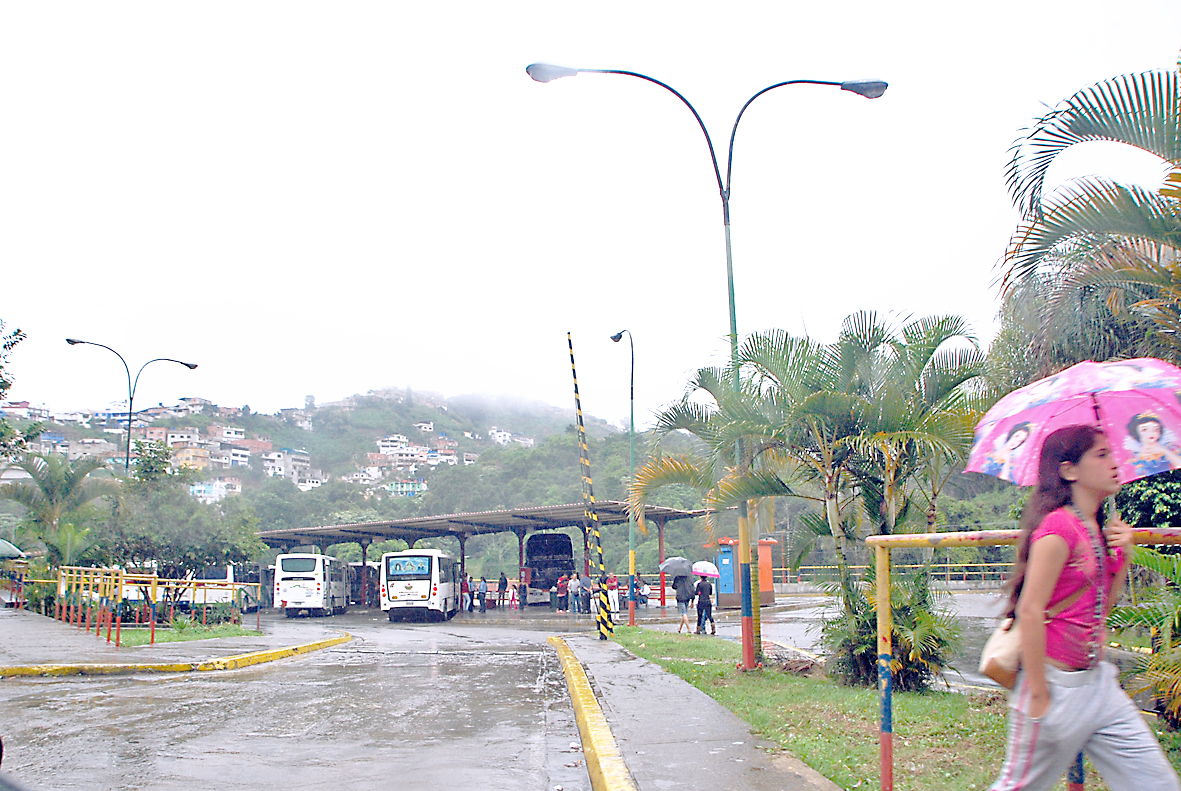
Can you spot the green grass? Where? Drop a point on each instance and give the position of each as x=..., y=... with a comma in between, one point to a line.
x=943, y=741
x=142, y=636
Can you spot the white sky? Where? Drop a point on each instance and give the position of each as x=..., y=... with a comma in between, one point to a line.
x=334, y=197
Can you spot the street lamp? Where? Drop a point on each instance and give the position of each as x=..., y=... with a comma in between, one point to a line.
x=631, y=520
x=131, y=386
x=870, y=89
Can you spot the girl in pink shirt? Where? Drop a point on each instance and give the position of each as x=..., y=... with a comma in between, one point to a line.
x=1067, y=699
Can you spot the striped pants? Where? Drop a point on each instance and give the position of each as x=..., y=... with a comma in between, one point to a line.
x=1088, y=712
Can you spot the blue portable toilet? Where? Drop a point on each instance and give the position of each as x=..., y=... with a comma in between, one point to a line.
x=727, y=564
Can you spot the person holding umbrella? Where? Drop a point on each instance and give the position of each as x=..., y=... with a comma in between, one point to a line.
x=1070, y=567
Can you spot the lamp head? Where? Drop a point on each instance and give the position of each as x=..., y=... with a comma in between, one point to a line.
x=73, y=341
x=190, y=366
x=870, y=89
x=547, y=72
x=617, y=337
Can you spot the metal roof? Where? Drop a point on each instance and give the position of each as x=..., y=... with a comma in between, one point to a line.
x=545, y=517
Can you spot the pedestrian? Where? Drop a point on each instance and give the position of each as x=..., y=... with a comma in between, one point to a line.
x=705, y=610
x=501, y=590
x=482, y=593
x=563, y=593
x=575, y=588
x=645, y=592
x=587, y=594
x=683, y=587
x=613, y=593
x=1067, y=698
x=465, y=588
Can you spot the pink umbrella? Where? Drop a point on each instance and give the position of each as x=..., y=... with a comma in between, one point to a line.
x=1137, y=403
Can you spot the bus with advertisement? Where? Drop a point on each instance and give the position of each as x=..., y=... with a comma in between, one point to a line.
x=419, y=582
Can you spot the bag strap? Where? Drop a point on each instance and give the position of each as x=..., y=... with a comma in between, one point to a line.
x=1065, y=604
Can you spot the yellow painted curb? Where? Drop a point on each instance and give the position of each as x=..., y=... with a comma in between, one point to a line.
x=229, y=663
x=604, y=763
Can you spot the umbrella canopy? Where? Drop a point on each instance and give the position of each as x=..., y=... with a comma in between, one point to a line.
x=1137, y=404
x=703, y=568
x=677, y=567
x=9, y=551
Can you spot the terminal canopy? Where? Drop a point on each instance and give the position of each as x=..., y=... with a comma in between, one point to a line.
x=461, y=526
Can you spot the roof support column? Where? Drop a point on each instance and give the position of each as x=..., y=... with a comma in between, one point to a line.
x=462, y=553
x=364, y=571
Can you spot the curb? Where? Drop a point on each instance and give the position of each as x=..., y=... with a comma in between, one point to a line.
x=604, y=763
x=229, y=663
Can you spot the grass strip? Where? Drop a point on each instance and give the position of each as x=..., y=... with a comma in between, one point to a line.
x=140, y=636
x=943, y=741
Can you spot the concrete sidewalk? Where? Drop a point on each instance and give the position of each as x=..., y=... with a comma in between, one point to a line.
x=673, y=736
x=28, y=639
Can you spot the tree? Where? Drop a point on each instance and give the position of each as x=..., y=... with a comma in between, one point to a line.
x=1095, y=242
x=56, y=486
x=12, y=441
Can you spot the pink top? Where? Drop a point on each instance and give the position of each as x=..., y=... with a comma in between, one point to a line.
x=1069, y=634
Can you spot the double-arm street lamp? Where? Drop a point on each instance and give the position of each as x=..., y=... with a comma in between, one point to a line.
x=870, y=89
x=131, y=386
x=631, y=520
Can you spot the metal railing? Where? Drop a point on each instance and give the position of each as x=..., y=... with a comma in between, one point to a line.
x=948, y=572
x=882, y=545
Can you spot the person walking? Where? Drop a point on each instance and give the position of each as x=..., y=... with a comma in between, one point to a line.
x=563, y=594
x=683, y=587
x=576, y=593
x=1067, y=698
x=465, y=588
x=482, y=593
x=501, y=590
x=705, y=611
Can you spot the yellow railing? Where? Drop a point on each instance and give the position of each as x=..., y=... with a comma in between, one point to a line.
x=982, y=538
x=98, y=595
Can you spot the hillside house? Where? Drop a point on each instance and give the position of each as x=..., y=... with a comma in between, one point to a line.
x=500, y=437
x=470, y=458
x=406, y=488
x=191, y=456
x=425, y=426
x=391, y=443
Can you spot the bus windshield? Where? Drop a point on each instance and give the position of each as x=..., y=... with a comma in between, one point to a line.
x=298, y=565
x=415, y=567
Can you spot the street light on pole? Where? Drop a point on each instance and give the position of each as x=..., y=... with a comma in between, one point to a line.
x=870, y=89
x=631, y=520
x=131, y=386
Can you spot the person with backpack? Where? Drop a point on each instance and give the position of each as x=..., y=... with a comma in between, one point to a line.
x=683, y=587
x=705, y=611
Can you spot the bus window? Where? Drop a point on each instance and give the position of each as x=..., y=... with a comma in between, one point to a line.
x=414, y=567
x=298, y=565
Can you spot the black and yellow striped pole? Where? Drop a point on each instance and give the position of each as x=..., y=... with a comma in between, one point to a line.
x=590, y=516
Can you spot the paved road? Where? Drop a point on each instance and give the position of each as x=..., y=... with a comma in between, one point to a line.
x=453, y=705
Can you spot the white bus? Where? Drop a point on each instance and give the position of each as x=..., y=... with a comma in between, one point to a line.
x=420, y=581
x=316, y=583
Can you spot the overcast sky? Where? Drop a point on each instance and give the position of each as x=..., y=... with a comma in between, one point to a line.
x=335, y=197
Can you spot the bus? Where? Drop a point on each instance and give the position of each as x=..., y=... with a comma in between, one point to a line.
x=318, y=584
x=421, y=582
x=547, y=557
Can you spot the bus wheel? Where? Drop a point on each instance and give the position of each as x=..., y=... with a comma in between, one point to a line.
x=393, y=616
x=291, y=612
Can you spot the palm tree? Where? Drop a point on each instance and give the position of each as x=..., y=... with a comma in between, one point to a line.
x=1093, y=234
x=55, y=487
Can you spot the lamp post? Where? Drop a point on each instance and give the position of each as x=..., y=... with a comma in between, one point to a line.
x=631, y=520
x=870, y=89
x=130, y=385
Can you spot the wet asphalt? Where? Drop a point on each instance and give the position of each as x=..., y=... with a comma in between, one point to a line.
x=457, y=704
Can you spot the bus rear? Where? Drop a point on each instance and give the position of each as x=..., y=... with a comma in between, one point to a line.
x=420, y=582
x=315, y=583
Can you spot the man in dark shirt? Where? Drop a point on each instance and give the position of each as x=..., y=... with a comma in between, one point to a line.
x=705, y=610
x=501, y=591
x=683, y=586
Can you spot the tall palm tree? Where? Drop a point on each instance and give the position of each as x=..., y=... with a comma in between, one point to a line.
x=1093, y=233
x=55, y=487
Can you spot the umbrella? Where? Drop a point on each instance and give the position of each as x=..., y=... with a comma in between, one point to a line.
x=677, y=567
x=1137, y=404
x=703, y=568
x=9, y=551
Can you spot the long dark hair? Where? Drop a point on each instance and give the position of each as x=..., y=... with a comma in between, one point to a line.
x=1053, y=491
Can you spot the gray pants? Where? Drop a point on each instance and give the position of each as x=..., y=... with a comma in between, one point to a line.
x=1088, y=712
